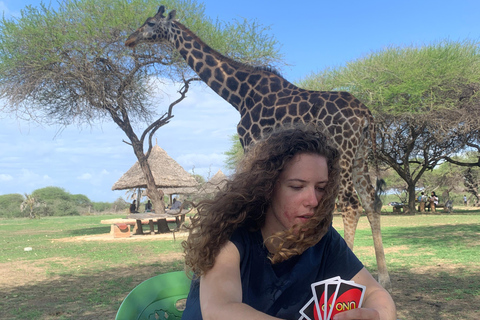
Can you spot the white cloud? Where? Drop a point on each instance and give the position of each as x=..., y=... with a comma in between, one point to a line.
x=85, y=176
x=34, y=180
x=5, y=177
x=4, y=9
x=190, y=160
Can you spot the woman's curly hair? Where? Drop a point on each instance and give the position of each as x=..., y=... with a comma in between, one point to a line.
x=246, y=198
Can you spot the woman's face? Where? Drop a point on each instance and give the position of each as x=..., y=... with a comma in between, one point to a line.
x=297, y=193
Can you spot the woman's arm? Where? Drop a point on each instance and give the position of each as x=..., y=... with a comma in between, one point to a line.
x=377, y=302
x=221, y=289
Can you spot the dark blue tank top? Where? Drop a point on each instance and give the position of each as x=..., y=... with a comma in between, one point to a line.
x=282, y=289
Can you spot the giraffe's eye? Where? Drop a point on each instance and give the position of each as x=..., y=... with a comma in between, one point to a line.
x=151, y=24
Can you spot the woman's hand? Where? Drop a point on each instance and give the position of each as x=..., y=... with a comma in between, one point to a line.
x=377, y=302
x=361, y=313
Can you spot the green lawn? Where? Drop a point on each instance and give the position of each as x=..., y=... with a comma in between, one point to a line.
x=433, y=260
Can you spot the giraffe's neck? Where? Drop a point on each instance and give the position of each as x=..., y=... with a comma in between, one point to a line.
x=231, y=80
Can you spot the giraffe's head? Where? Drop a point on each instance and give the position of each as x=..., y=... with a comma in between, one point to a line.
x=155, y=29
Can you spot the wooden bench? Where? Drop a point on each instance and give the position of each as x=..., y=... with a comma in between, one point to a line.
x=138, y=220
x=398, y=208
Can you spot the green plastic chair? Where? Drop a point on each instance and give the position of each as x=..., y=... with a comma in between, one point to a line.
x=160, y=297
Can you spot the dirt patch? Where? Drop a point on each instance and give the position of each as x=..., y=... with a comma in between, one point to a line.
x=108, y=237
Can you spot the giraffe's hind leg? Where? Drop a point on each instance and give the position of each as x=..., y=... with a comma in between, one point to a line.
x=366, y=192
x=349, y=206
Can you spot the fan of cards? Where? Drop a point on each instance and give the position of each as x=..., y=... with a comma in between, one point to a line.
x=330, y=297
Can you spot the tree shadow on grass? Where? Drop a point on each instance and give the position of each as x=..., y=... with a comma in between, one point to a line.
x=90, y=231
x=91, y=295
x=439, y=293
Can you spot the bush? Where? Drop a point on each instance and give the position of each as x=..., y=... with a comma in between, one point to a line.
x=51, y=193
x=10, y=205
x=65, y=208
x=120, y=205
x=81, y=200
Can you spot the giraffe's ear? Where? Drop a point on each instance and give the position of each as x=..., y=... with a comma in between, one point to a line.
x=171, y=15
x=160, y=11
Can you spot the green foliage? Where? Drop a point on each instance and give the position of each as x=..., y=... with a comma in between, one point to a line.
x=10, y=205
x=407, y=80
x=425, y=100
x=55, y=201
x=118, y=205
x=101, y=206
x=51, y=193
x=80, y=200
x=235, y=153
x=199, y=178
x=66, y=61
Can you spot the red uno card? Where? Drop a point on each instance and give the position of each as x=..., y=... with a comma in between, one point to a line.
x=348, y=296
x=318, y=290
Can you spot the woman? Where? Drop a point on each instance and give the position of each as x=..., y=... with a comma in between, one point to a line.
x=256, y=248
x=433, y=201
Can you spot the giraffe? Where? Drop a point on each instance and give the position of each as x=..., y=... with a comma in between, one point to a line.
x=265, y=100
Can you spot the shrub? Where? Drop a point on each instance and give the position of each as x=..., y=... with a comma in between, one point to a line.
x=10, y=205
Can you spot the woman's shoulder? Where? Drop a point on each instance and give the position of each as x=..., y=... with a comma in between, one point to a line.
x=244, y=239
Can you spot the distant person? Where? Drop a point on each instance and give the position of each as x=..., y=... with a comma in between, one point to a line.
x=433, y=201
x=176, y=204
x=422, y=199
x=464, y=200
x=133, y=207
x=148, y=206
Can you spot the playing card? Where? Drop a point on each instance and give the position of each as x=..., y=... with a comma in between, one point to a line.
x=330, y=290
x=309, y=312
x=318, y=290
x=348, y=296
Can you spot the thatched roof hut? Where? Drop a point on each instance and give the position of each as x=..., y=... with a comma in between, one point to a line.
x=166, y=172
x=216, y=183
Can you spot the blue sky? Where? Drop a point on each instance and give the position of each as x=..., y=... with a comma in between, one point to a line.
x=313, y=35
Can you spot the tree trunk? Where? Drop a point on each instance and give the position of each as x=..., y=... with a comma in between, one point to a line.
x=153, y=193
x=411, y=199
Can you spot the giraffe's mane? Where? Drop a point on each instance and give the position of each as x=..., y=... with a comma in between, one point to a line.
x=226, y=59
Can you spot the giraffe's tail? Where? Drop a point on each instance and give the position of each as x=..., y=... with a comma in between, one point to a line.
x=379, y=190
x=380, y=184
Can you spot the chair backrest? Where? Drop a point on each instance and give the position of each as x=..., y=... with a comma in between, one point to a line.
x=160, y=297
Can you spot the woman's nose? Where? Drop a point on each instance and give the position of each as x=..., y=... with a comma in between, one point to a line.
x=311, y=197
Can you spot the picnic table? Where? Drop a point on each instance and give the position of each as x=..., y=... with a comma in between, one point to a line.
x=152, y=219
x=137, y=220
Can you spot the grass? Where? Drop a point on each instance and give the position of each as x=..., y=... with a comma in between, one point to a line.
x=432, y=259
x=422, y=240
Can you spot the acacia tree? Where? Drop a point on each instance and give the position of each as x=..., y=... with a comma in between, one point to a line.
x=70, y=65
x=425, y=101
x=235, y=153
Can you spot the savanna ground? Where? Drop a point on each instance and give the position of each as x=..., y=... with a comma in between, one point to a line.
x=75, y=270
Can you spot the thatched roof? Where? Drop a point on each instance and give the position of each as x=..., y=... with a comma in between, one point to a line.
x=166, y=172
x=216, y=183
x=185, y=190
